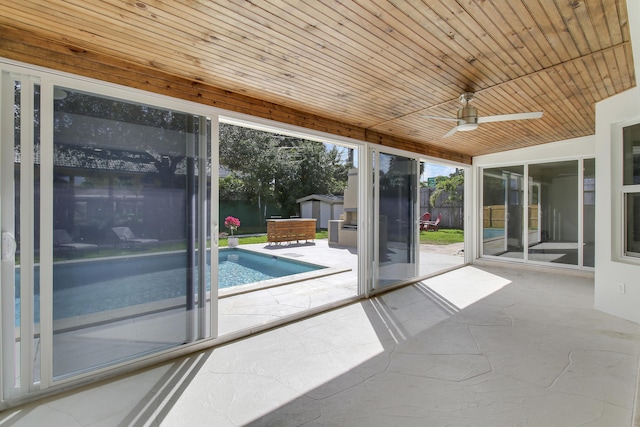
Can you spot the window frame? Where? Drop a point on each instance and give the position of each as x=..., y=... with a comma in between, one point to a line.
x=619, y=224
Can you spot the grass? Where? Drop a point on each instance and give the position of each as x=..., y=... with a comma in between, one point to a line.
x=442, y=237
x=263, y=239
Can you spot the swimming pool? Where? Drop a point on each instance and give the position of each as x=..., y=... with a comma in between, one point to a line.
x=86, y=287
x=237, y=267
x=492, y=233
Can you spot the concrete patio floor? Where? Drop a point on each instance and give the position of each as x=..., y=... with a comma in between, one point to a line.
x=478, y=346
x=259, y=307
x=84, y=348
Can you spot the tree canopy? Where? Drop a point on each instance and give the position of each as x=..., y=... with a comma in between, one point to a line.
x=449, y=185
x=269, y=168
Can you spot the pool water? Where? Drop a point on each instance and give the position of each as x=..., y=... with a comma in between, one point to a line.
x=82, y=288
x=238, y=267
x=492, y=233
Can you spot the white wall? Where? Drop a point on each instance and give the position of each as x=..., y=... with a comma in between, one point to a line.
x=609, y=269
x=552, y=152
x=306, y=209
x=325, y=215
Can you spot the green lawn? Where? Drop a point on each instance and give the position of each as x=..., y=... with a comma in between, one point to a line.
x=442, y=237
x=263, y=239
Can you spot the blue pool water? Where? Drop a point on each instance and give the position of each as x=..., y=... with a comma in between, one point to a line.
x=92, y=286
x=238, y=267
x=492, y=233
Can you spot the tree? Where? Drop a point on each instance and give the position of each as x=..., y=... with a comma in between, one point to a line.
x=312, y=169
x=115, y=126
x=448, y=185
x=278, y=169
x=253, y=158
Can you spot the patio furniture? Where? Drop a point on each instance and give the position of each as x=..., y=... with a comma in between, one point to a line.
x=127, y=239
x=290, y=230
x=423, y=221
x=62, y=240
x=433, y=225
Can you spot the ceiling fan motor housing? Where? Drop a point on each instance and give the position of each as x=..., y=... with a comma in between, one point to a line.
x=467, y=118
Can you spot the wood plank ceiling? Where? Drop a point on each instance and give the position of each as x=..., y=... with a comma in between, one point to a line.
x=364, y=68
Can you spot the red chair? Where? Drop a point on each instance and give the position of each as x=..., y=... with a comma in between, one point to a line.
x=433, y=225
x=423, y=222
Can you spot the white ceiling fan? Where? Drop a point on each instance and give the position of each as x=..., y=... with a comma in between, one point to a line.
x=468, y=116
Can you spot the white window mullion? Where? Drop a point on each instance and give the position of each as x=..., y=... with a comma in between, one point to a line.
x=46, y=235
x=26, y=236
x=365, y=222
x=525, y=213
x=7, y=218
x=375, y=216
x=580, y=213
x=213, y=141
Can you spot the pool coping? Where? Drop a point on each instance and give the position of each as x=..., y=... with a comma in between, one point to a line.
x=281, y=281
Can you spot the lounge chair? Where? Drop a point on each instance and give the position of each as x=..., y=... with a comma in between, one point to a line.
x=127, y=238
x=433, y=225
x=62, y=240
x=424, y=220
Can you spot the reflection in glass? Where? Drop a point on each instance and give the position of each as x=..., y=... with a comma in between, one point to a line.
x=125, y=212
x=502, y=212
x=632, y=221
x=589, y=212
x=553, y=212
x=631, y=154
x=631, y=177
x=397, y=223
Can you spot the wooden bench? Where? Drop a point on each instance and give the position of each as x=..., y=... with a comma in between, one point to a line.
x=291, y=230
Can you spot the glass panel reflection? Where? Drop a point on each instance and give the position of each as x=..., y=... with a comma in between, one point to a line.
x=502, y=212
x=589, y=212
x=553, y=212
x=397, y=223
x=631, y=154
x=125, y=278
x=632, y=220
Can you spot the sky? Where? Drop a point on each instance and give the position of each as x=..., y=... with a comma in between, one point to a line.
x=433, y=170
x=430, y=169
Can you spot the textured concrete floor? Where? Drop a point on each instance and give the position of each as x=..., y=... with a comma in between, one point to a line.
x=479, y=346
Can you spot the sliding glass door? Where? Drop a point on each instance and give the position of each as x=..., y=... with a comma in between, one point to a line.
x=502, y=212
x=105, y=229
x=553, y=212
x=129, y=230
x=395, y=200
x=551, y=222
x=20, y=217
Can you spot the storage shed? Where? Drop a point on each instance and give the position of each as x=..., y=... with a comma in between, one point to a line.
x=322, y=207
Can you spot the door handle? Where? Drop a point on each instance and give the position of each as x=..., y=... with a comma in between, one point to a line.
x=8, y=245
x=216, y=230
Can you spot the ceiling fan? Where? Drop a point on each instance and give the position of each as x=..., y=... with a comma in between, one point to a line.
x=468, y=116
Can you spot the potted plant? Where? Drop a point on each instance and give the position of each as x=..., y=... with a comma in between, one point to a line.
x=232, y=224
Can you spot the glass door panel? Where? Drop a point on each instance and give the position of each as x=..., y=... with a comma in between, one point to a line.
x=553, y=192
x=396, y=199
x=589, y=212
x=129, y=230
x=503, y=212
x=20, y=233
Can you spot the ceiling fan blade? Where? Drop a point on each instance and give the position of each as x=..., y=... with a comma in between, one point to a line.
x=451, y=132
x=505, y=117
x=451, y=119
